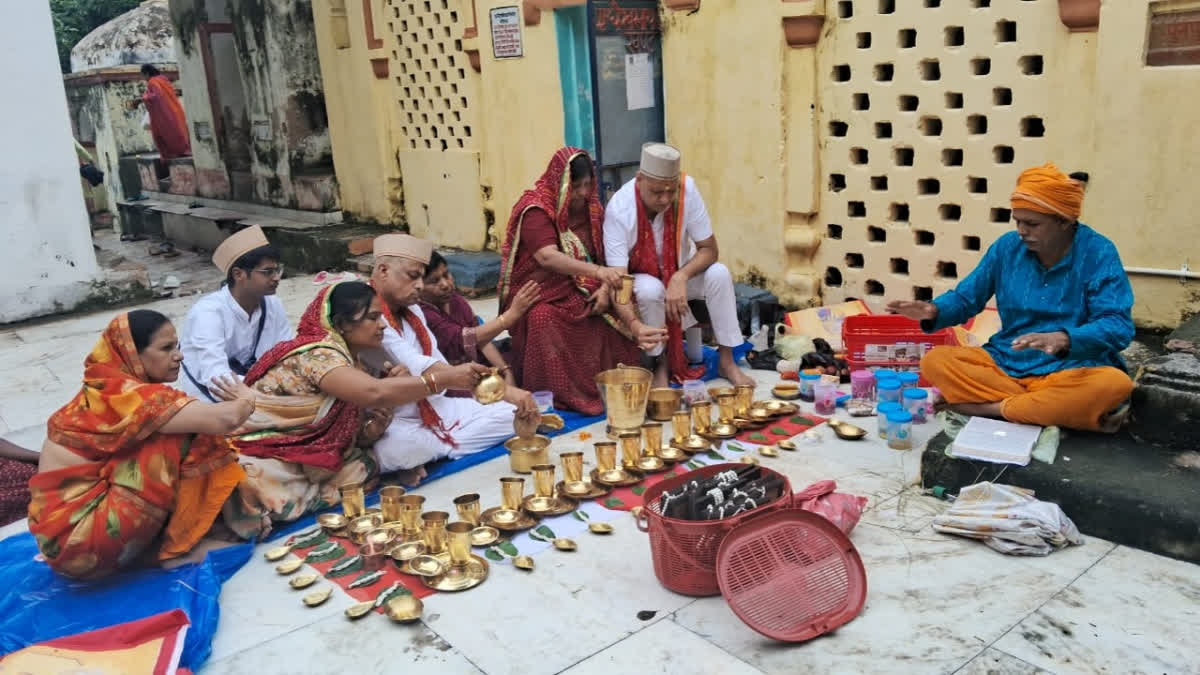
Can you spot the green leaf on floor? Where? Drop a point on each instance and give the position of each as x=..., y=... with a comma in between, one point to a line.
x=368, y=579
x=545, y=531
x=735, y=446
x=670, y=475
x=639, y=490
x=758, y=436
x=613, y=503
x=693, y=465
x=344, y=567
x=714, y=455
x=779, y=431
x=580, y=515
x=493, y=555
x=804, y=421
x=507, y=547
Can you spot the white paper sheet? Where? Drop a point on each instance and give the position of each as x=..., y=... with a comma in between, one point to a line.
x=639, y=82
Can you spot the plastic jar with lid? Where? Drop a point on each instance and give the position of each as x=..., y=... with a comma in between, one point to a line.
x=885, y=373
x=900, y=430
x=808, y=383
x=881, y=412
x=916, y=402
x=908, y=379
x=862, y=385
x=888, y=390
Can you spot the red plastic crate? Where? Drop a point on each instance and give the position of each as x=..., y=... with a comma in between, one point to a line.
x=870, y=341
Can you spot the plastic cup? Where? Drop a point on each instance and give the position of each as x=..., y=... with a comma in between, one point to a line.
x=544, y=400
x=694, y=391
x=808, y=382
x=825, y=396
x=882, y=411
x=900, y=430
x=862, y=385
x=916, y=402
x=888, y=390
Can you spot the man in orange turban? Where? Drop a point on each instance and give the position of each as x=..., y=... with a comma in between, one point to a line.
x=1064, y=301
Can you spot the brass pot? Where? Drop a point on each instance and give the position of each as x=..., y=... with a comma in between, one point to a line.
x=524, y=453
x=662, y=403
x=491, y=388
x=624, y=390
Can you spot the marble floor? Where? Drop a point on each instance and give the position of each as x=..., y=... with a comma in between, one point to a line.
x=935, y=604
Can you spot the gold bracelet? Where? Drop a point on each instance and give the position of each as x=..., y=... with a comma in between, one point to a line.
x=428, y=386
x=433, y=377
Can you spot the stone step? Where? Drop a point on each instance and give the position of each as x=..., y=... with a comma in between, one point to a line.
x=476, y=273
x=1113, y=487
x=1166, y=402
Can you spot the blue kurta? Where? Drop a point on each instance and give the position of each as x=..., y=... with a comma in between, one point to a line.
x=1086, y=295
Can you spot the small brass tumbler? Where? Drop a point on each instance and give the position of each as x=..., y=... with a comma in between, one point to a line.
x=512, y=491
x=543, y=480
x=468, y=508
x=353, y=500
x=651, y=438
x=458, y=539
x=410, y=516
x=701, y=416
x=606, y=456
x=681, y=426
x=625, y=292
x=743, y=399
x=389, y=502
x=572, y=463
x=435, y=531
x=631, y=448
x=726, y=403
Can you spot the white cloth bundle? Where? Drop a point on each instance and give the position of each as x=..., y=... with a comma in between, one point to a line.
x=1008, y=519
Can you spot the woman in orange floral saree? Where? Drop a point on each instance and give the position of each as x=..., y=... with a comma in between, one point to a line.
x=131, y=462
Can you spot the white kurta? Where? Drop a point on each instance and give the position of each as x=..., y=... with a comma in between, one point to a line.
x=714, y=285
x=407, y=443
x=217, y=329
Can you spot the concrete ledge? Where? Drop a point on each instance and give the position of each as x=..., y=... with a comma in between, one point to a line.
x=476, y=273
x=1166, y=402
x=250, y=208
x=1113, y=487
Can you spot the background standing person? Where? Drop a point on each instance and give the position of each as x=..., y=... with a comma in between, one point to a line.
x=168, y=122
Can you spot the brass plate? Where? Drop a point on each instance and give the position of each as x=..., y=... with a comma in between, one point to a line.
x=600, y=528
x=460, y=578
x=652, y=465
x=548, y=506
x=289, y=566
x=589, y=489
x=332, y=522
x=672, y=454
x=617, y=477
x=723, y=431
x=523, y=562
x=507, y=520
x=564, y=544
x=317, y=597
x=484, y=535
x=359, y=610
x=407, y=551
x=404, y=608
x=303, y=581
x=759, y=414
x=693, y=444
x=277, y=553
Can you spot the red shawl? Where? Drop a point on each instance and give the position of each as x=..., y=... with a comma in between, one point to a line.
x=168, y=123
x=644, y=259
x=429, y=416
x=322, y=442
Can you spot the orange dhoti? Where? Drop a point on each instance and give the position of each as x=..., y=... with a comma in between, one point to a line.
x=1076, y=398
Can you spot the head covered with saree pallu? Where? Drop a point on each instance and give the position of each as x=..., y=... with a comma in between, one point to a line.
x=94, y=518
x=307, y=429
x=550, y=194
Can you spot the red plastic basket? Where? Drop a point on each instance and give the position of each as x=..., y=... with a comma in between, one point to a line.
x=861, y=333
x=685, y=551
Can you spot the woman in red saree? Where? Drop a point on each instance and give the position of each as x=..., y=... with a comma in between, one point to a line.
x=554, y=238
x=168, y=123
x=131, y=461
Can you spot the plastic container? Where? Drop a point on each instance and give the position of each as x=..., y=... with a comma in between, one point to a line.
x=825, y=396
x=888, y=390
x=916, y=402
x=862, y=385
x=900, y=430
x=694, y=391
x=908, y=379
x=544, y=400
x=885, y=374
x=808, y=382
x=888, y=341
x=882, y=411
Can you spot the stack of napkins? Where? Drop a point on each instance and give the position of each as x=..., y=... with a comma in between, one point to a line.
x=996, y=441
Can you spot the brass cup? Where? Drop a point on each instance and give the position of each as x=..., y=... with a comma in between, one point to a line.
x=727, y=405
x=458, y=540
x=681, y=426
x=625, y=292
x=512, y=491
x=651, y=438
x=389, y=502
x=572, y=463
x=543, y=480
x=743, y=398
x=435, y=531
x=353, y=499
x=701, y=416
x=374, y=556
x=606, y=456
x=624, y=390
x=631, y=448
x=468, y=508
x=410, y=515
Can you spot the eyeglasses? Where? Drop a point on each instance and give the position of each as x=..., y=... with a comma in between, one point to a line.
x=275, y=272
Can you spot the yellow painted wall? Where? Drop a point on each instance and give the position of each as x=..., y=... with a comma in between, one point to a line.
x=523, y=120
x=359, y=106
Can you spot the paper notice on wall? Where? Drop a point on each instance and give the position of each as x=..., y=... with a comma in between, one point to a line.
x=639, y=82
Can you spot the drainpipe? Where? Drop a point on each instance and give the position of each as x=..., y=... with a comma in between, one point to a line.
x=1183, y=273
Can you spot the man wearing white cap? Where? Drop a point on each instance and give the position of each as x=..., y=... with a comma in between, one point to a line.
x=227, y=331
x=657, y=228
x=438, y=426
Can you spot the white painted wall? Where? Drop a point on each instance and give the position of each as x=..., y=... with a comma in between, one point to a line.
x=46, y=259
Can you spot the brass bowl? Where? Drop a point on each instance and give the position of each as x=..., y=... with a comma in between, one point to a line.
x=407, y=551
x=768, y=451
x=723, y=430
x=747, y=459
x=523, y=562
x=695, y=443
x=359, y=609
x=426, y=566
x=787, y=445
x=360, y=526
x=303, y=581
x=317, y=597
x=491, y=388
x=288, y=566
x=277, y=553
x=404, y=608
x=663, y=402
x=564, y=544
x=380, y=537
x=848, y=432
x=759, y=414
x=525, y=453
x=672, y=454
x=774, y=407
x=600, y=528
x=332, y=522
x=484, y=536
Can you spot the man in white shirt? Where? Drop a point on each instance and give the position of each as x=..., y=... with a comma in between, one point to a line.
x=438, y=426
x=227, y=331
x=661, y=203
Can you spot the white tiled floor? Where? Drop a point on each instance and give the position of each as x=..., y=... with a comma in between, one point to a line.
x=934, y=604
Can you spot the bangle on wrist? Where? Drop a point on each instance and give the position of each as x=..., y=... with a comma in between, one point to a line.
x=428, y=386
x=433, y=378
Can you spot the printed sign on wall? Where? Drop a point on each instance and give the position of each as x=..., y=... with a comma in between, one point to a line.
x=506, y=33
